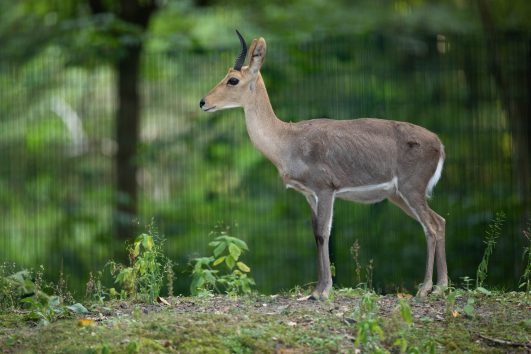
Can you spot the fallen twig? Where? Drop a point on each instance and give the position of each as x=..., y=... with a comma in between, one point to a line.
x=505, y=342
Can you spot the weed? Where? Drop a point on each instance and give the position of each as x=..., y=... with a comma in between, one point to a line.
x=407, y=318
x=492, y=235
x=13, y=285
x=368, y=274
x=226, y=250
x=369, y=334
x=467, y=282
x=333, y=269
x=143, y=279
x=95, y=291
x=170, y=276
x=61, y=288
x=525, y=280
x=355, y=252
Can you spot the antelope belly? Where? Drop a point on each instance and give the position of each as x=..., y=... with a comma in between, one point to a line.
x=372, y=193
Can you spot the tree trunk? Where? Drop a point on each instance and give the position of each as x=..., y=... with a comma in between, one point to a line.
x=127, y=127
x=514, y=93
x=127, y=133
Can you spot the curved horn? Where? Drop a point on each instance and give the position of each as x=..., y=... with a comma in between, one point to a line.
x=241, y=57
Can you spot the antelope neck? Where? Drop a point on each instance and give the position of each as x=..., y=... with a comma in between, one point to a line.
x=265, y=129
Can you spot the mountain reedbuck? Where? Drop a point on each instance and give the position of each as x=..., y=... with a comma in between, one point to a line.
x=363, y=160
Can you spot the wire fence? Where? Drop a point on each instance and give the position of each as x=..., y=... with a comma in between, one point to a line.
x=197, y=170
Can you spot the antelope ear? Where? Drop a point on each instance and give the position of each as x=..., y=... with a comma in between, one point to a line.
x=257, y=52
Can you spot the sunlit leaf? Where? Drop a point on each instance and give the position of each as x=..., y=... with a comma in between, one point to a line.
x=230, y=262
x=234, y=251
x=243, y=267
x=219, y=261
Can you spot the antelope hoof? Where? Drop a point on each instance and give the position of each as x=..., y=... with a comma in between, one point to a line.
x=424, y=290
x=439, y=289
x=321, y=295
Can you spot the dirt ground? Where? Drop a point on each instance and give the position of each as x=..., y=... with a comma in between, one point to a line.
x=499, y=323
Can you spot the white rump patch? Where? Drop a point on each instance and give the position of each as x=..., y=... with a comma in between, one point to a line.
x=436, y=176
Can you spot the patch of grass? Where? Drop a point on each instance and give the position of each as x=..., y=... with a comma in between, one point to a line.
x=259, y=323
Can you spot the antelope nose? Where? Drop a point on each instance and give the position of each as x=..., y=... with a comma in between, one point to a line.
x=201, y=103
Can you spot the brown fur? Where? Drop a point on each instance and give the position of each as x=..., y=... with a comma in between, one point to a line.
x=364, y=160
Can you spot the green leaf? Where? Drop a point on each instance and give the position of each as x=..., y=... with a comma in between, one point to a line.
x=468, y=310
x=54, y=301
x=77, y=308
x=219, y=249
x=243, y=267
x=214, y=243
x=234, y=251
x=147, y=242
x=405, y=312
x=136, y=250
x=197, y=283
x=239, y=243
x=219, y=261
x=230, y=262
x=483, y=290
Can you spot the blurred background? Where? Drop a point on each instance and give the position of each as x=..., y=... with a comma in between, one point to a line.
x=101, y=133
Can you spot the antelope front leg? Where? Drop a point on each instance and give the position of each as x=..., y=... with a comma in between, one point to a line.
x=322, y=223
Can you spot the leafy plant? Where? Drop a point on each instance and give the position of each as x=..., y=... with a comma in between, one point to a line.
x=14, y=285
x=51, y=308
x=28, y=290
x=453, y=310
x=369, y=334
x=226, y=251
x=405, y=313
x=143, y=279
x=492, y=235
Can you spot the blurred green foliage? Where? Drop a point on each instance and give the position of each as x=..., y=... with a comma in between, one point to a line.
x=421, y=61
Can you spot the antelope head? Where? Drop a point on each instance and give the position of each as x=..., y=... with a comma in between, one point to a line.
x=240, y=82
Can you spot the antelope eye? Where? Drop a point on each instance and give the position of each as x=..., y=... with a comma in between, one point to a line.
x=233, y=81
